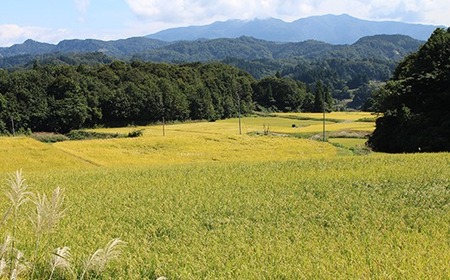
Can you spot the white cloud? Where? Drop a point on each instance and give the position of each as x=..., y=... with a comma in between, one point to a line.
x=12, y=34
x=150, y=16
x=202, y=11
x=82, y=7
x=437, y=12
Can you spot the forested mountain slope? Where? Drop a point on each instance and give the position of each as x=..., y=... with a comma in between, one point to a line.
x=351, y=72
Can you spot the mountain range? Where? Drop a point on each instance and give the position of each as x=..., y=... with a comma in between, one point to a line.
x=118, y=48
x=333, y=29
x=330, y=29
x=348, y=55
x=387, y=47
x=381, y=47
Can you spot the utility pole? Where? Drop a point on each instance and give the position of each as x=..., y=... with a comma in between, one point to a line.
x=240, y=125
x=239, y=112
x=323, y=107
x=12, y=126
x=164, y=126
x=164, y=111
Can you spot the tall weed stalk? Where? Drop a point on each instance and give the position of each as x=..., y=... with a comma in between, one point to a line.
x=49, y=211
x=48, y=214
x=18, y=194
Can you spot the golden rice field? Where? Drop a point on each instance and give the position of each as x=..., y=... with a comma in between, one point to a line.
x=204, y=202
x=339, y=116
x=348, y=142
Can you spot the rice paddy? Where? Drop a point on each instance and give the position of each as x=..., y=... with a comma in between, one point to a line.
x=205, y=202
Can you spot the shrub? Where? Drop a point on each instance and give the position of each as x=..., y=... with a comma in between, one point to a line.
x=136, y=133
x=84, y=135
x=49, y=137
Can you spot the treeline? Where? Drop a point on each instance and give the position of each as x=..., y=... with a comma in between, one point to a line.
x=60, y=98
x=29, y=60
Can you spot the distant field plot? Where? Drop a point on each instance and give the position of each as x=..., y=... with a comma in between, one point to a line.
x=198, y=142
x=272, y=124
x=339, y=116
x=182, y=143
x=191, y=146
x=289, y=123
x=31, y=155
x=348, y=142
x=341, y=126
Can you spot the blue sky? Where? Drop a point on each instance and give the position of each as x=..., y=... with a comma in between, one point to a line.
x=54, y=20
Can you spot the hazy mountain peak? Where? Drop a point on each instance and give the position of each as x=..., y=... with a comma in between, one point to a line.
x=334, y=29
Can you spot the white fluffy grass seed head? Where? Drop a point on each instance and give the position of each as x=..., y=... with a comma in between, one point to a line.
x=61, y=260
x=98, y=261
x=49, y=211
x=18, y=193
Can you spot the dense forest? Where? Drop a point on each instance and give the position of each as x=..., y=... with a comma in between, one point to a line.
x=60, y=98
x=415, y=102
x=350, y=72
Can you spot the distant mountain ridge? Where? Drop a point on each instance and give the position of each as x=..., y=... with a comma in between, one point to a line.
x=333, y=29
x=384, y=47
x=328, y=29
x=118, y=48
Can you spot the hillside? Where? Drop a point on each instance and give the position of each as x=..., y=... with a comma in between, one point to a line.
x=333, y=29
x=383, y=47
x=118, y=48
x=379, y=46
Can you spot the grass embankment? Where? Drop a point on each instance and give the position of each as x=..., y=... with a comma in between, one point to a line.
x=204, y=203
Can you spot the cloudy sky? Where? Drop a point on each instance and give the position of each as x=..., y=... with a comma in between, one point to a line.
x=54, y=20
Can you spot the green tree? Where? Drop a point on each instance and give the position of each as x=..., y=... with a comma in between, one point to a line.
x=415, y=103
x=3, y=116
x=68, y=106
x=322, y=98
x=174, y=102
x=280, y=94
x=319, y=97
x=201, y=104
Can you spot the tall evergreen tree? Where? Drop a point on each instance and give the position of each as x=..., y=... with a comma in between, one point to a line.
x=319, y=101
